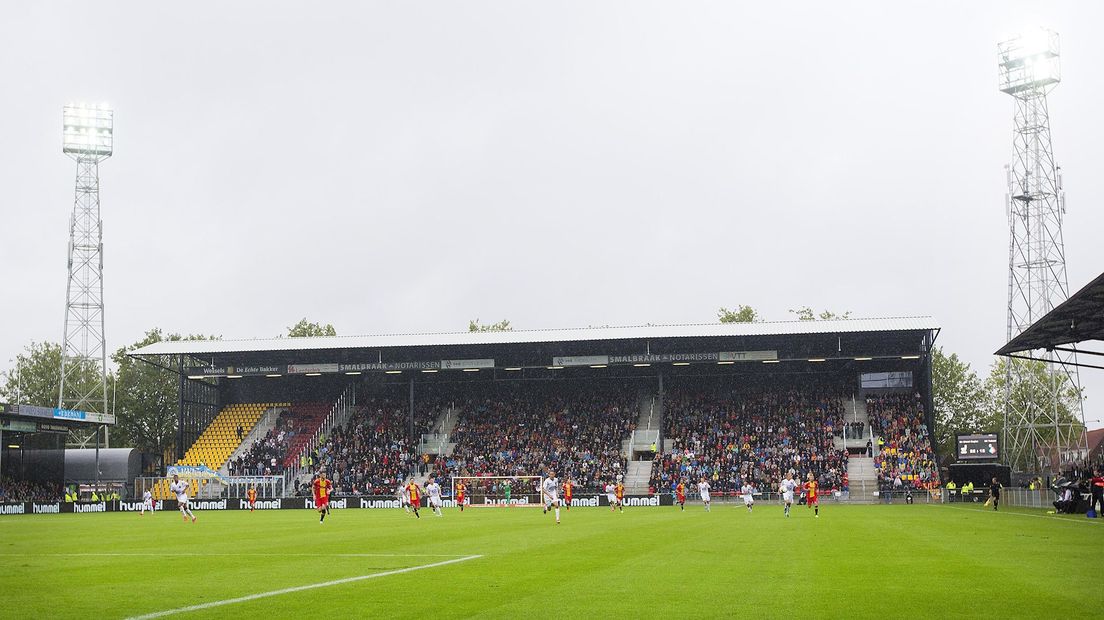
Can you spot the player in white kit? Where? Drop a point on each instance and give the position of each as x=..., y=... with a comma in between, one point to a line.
x=703, y=490
x=611, y=496
x=404, y=497
x=787, y=490
x=551, y=493
x=147, y=503
x=181, y=489
x=747, y=491
x=434, y=491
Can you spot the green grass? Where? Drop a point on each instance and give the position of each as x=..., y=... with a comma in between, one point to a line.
x=854, y=561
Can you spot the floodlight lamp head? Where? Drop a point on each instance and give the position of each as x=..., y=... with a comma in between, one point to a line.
x=1029, y=63
x=87, y=131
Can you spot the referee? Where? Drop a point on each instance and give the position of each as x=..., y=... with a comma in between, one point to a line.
x=994, y=492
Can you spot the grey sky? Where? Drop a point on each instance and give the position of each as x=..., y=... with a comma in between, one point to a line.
x=393, y=167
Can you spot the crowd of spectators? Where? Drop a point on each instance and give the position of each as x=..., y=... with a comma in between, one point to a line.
x=372, y=454
x=756, y=436
x=905, y=460
x=576, y=430
x=12, y=490
x=266, y=456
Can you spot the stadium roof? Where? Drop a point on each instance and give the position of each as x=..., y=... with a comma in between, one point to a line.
x=779, y=328
x=1079, y=318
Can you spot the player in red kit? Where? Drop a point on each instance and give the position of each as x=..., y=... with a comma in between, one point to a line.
x=322, y=489
x=252, y=494
x=811, y=499
x=680, y=495
x=415, y=492
x=567, y=487
x=460, y=488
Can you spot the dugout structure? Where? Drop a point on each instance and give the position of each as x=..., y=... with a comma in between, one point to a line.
x=865, y=354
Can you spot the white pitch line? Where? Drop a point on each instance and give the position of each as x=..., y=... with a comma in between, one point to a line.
x=324, y=584
x=1024, y=514
x=260, y=555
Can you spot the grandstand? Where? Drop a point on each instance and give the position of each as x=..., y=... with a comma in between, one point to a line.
x=731, y=401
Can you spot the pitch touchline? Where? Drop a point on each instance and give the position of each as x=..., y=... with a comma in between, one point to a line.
x=266, y=555
x=324, y=584
x=1023, y=514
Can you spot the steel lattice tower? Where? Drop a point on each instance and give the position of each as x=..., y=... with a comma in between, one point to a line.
x=88, y=141
x=1035, y=425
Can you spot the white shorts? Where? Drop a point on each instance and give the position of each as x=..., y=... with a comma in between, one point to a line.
x=787, y=497
x=705, y=497
x=749, y=499
x=612, y=499
x=182, y=500
x=434, y=501
x=148, y=504
x=551, y=499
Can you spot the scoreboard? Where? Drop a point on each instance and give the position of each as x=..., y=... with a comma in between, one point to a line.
x=981, y=447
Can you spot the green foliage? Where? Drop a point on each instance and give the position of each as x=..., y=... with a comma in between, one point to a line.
x=962, y=404
x=742, y=314
x=35, y=378
x=502, y=326
x=146, y=397
x=805, y=313
x=305, y=328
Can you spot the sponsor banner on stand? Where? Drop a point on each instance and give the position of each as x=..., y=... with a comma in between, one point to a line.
x=19, y=426
x=658, y=358
x=302, y=369
x=220, y=371
x=361, y=367
x=746, y=356
x=466, y=364
x=65, y=414
x=581, y=360
x=193, y=472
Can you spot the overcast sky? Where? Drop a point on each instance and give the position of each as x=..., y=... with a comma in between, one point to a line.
x=397, y=167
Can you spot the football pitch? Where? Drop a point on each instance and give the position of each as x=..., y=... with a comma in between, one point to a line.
x=922, y=561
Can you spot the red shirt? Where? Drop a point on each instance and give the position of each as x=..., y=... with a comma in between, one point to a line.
x=322, y=488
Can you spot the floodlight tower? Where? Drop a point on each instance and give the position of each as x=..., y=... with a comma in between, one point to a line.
x=1035, y=414
x=87, y=139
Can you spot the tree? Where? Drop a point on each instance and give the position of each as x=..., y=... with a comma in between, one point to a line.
x=962, y=404
x=146, y=397
x=742, y=314
x=36, y=377
x=501, y=326
x=304, y=329
x=805, y=313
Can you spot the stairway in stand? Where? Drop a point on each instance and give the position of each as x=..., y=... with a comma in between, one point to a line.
x=862, y=479
x=641, y=440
